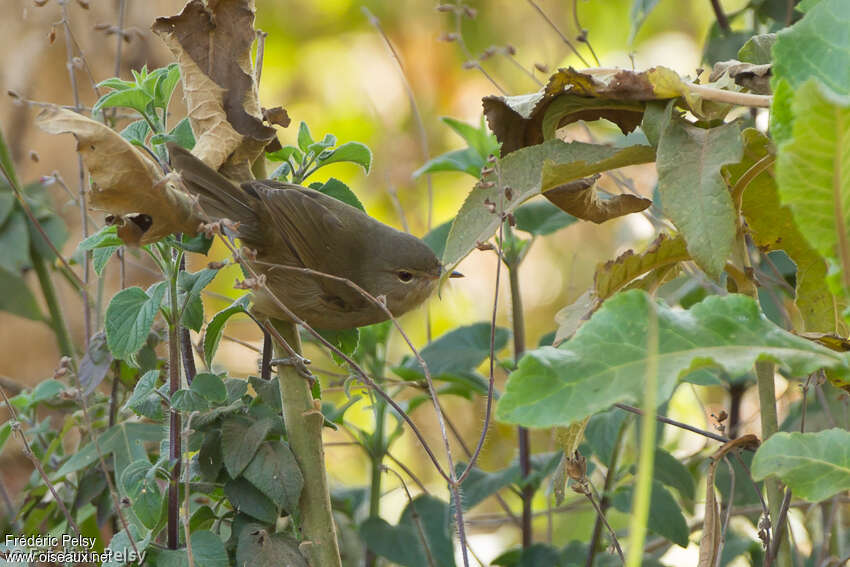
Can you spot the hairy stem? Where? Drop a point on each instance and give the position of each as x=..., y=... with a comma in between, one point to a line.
x=304, y=429
x=174, y=452
x=524, y=445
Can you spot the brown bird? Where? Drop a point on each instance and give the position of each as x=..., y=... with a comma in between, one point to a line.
x=290, y=225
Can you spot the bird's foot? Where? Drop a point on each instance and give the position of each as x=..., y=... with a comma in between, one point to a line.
x=298, y=362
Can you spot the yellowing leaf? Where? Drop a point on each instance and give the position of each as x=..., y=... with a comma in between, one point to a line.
x=614, y=275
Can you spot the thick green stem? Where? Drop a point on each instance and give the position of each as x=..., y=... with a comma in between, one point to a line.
x=524, y=442
x=377, y=452
x=57, y=319
x=304, y=430
x=769, y=426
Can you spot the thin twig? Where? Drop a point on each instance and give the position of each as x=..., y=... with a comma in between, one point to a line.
x=583, y=34
x=414, y=515
x=472, y=62
x=728, y=504
x=414, y=108
x=679, y=424
x=558, y=31
x=601, y=515
x=722, y=20
x=610, y=478
x=779, y=529
x=84, y=221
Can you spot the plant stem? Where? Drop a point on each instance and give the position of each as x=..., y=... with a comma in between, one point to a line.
x=174, y=452
x=524, y=445
x=57, y=319
x=604, y=502
x=304, y=429
x=376, y=453
x=769, y=426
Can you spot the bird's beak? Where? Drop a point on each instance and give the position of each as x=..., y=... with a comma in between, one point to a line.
x=455, y=274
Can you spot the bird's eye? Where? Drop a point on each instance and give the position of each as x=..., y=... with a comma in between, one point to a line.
x=404, y=277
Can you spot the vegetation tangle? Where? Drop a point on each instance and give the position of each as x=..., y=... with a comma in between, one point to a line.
x=145, y=450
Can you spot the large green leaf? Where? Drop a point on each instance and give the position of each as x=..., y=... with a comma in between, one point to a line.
x=772, y=227
x=275, y=473
x=815, y=466
x=458, y=351
x=521, y=170
x=215, y=328
x=693, y=193
x=813, y=167
x=129, y=318
x=816, y=46
x=120, y=437
x=665, y=517
x=15, y=243
x=240, y=439
x=607, y=359
x=402, y=544
x=260, y=548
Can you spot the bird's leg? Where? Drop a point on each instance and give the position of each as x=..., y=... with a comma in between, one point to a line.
x=299, y=363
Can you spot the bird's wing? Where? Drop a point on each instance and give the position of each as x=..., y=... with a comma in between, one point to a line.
x=315, y=237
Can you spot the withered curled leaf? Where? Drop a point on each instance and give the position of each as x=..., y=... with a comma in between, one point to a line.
x=580, y=199
x=212, y=45
x=125, y=182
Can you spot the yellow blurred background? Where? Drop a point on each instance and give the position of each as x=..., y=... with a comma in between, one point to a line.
x=327, y=65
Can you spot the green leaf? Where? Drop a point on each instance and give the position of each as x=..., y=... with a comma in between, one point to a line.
x=304, y=137
x=669, y=471
x=693, y=193
x=345, y=340
x=402, y=543
x=140, y=486
x=275, y=473
x=95, y=363
x=17, y=298
x=247, y=499
x=120, y=545
x=353, y=152
x=335, y=188
x=479, y=139
x=268, y=391
x=813, y=167
x=478, y=485
x=466, y=160
x=116, y=84
x=188, y=401
x=129, y=317
x=208, y=550
x=816, y=46
x=165, y=86
x=240, y=439
x=215, y=328
x=56, y=231
x=209, y=456
x=436, y=238
x=285, y=153
x=757, y=50
x=136, y=132
x=665, y=517
x=260, y=548
x=815, y=466
x=781, y=115
x=125, y=438
x=606, y=361
x=458, y=351
x=182, y=134
x=772, y=227
x=189, y=288
x=640, y=10
x=15, y=243
x=521, y=170
x=210, y=387
x=541, y=218
x=100, y=257
x=106, y=237
x=134, y=98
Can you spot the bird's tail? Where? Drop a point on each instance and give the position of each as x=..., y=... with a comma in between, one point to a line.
x=218, y=196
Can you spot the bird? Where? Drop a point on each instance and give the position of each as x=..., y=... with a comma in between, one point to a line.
x=293, y=227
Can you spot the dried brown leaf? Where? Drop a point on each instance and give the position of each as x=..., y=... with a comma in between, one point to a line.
x=212, y=45
x=580, y=199
x=756, y=78
x=125, y=182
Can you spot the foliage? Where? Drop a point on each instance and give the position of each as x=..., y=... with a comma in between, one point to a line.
x=746, y=276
